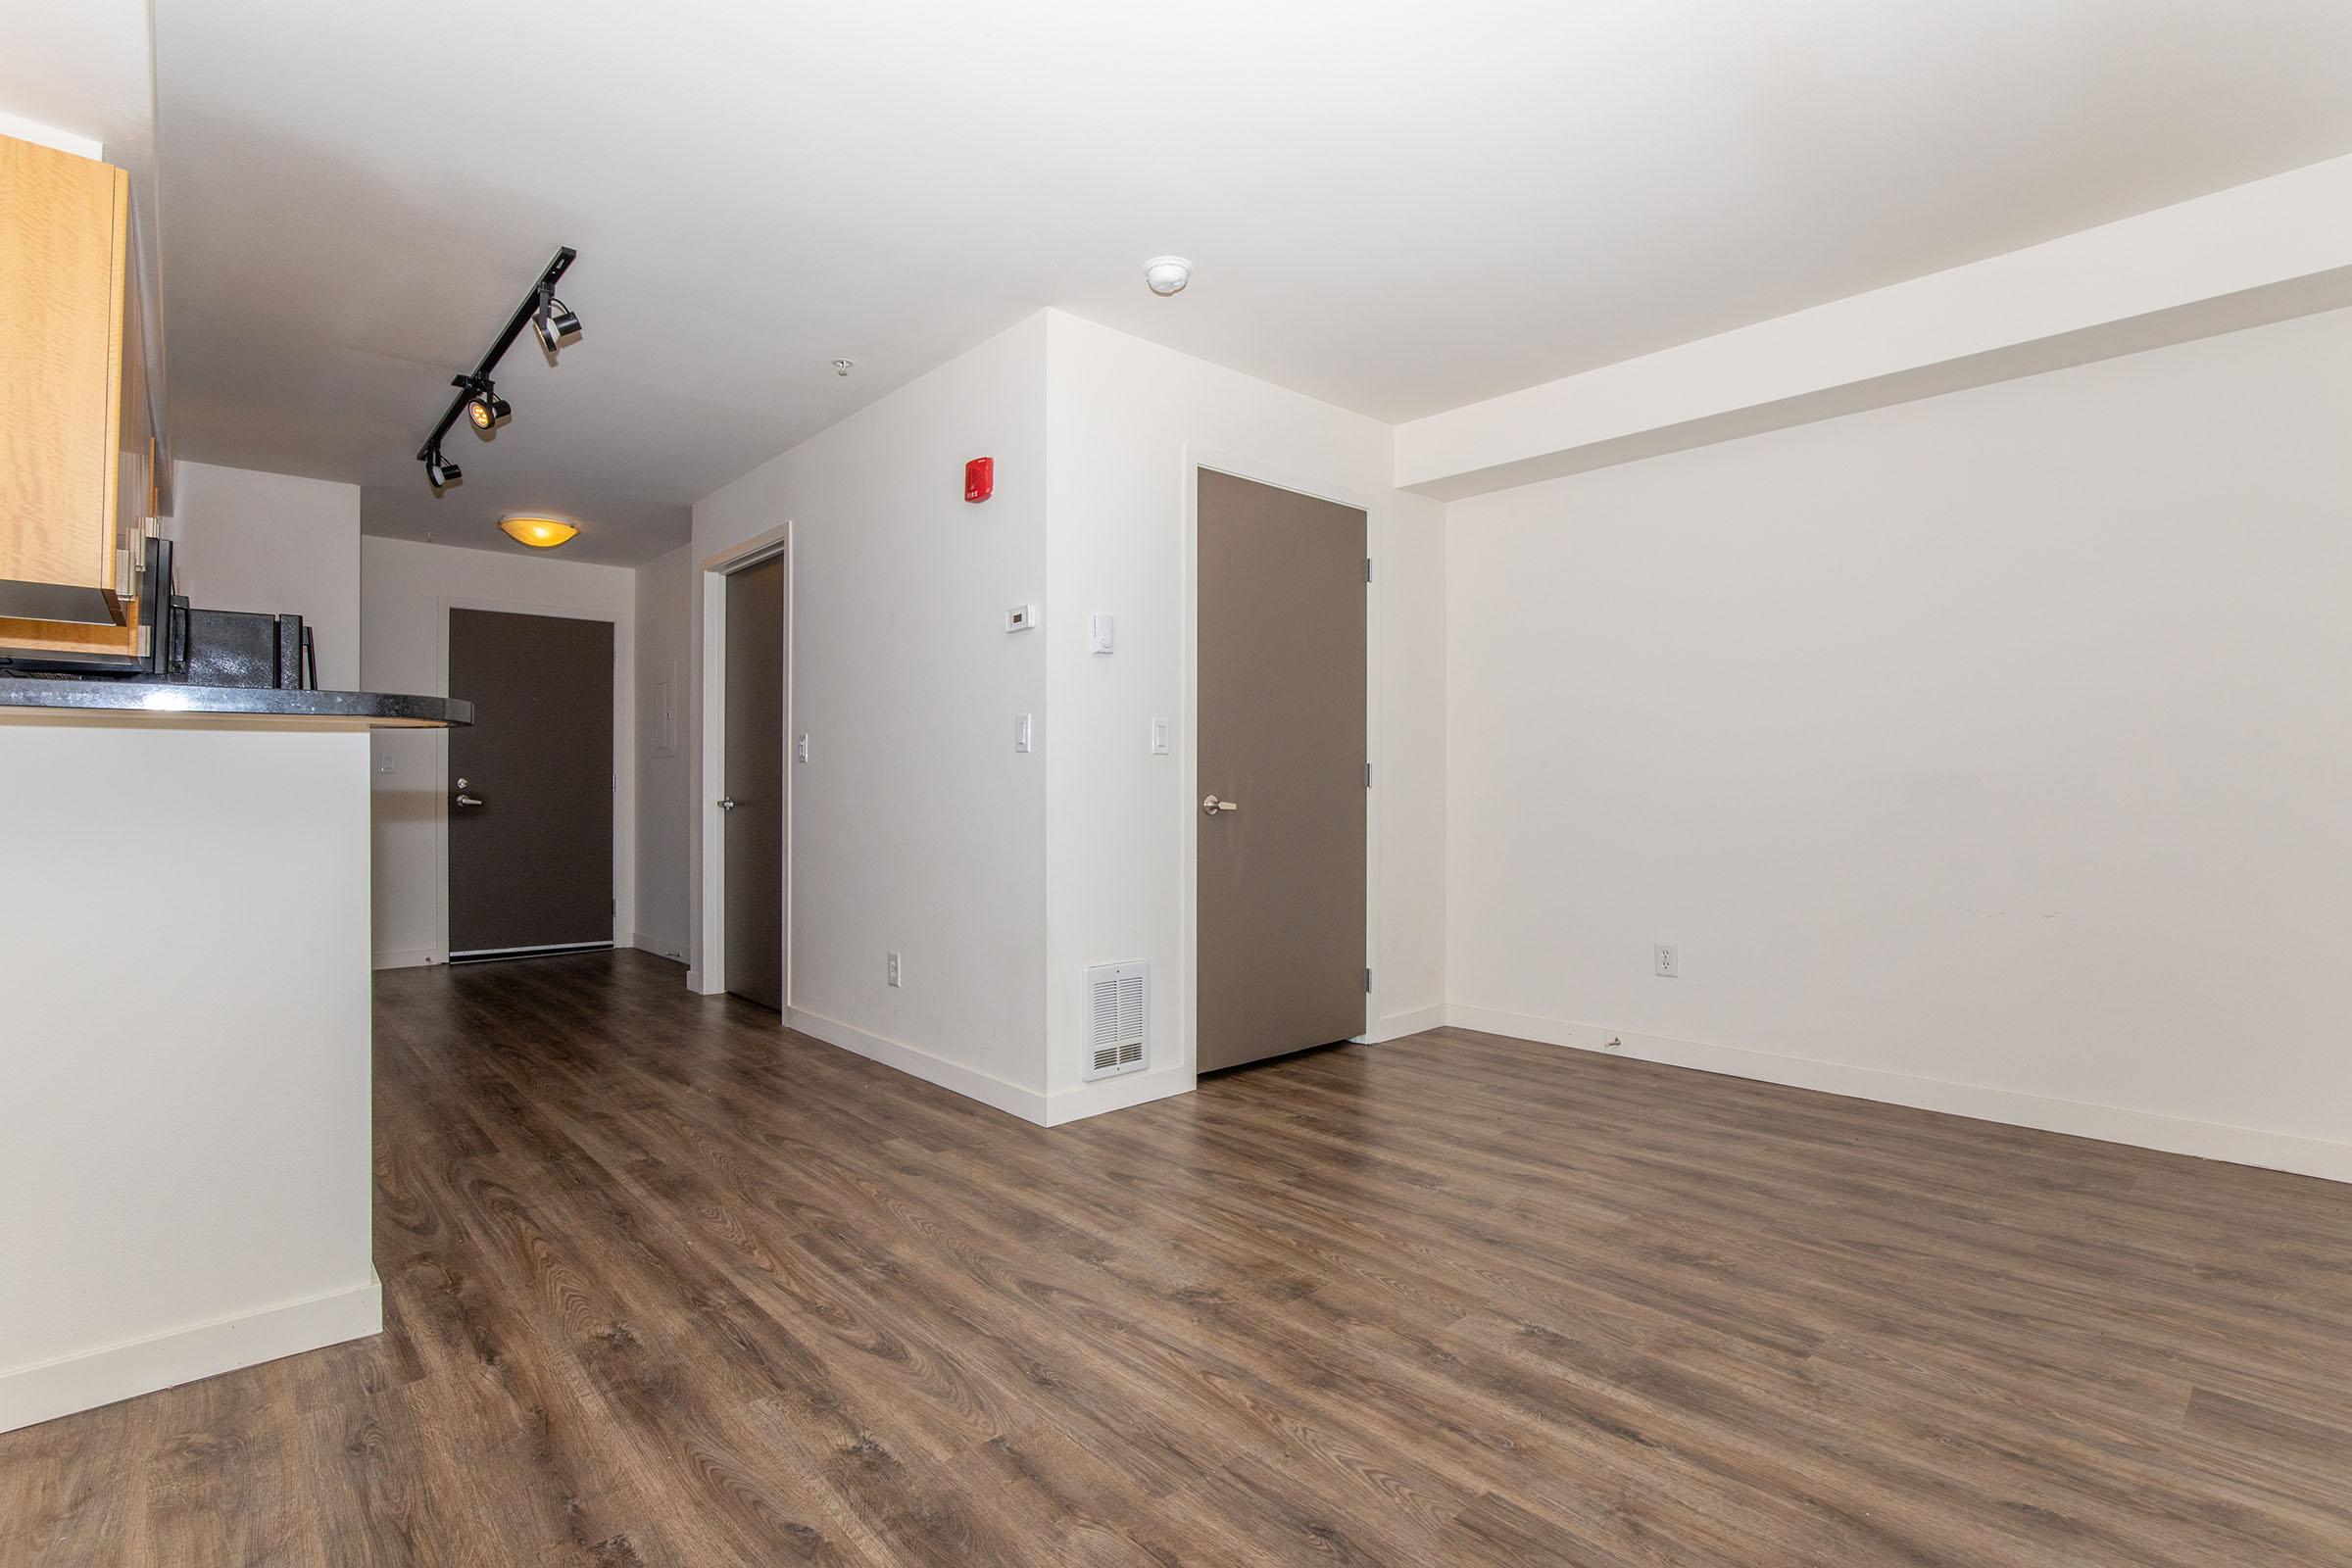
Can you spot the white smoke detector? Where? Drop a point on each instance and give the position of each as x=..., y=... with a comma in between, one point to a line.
x=1167, y=274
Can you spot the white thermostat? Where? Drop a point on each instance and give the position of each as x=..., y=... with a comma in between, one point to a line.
x=1020, y=618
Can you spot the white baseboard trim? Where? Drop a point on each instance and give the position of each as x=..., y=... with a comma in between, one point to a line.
x=971, y=1083
x=1065, y=1105
x=409, y=957
x=1397, y=1025
x=2114, y=1124
x=671, y=947
x=83, y=1382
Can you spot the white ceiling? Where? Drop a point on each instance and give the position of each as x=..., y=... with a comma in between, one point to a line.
x=1394, y=205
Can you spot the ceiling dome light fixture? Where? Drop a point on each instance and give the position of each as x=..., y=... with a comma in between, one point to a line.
x=540, y=534
x=1167, y=274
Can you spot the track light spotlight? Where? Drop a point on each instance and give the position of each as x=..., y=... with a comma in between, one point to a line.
x=440, y=472
x=554, y=322
x=485, y=410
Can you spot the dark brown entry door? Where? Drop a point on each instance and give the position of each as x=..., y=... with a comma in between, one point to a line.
x=1282, y=772
x=752, y=793
x=530, y=784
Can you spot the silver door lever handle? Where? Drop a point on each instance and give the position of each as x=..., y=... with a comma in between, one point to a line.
x=1212, y=806
x=726, y=803
x=468, y=800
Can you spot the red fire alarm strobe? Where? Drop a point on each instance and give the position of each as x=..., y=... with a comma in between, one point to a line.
x=979, y=478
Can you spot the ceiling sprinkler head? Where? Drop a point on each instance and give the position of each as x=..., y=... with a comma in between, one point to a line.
x=842, y=367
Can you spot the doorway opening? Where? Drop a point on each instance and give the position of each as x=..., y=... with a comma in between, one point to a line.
x=752, y=787
x=744, y=848
x=530, y=786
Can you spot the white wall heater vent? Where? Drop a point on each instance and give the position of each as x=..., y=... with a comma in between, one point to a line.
x=1119, y=1005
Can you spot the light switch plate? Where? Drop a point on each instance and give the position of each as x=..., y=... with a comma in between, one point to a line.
x=1160, y=737
x=1020, y=732
x=800, y=747
x=1101, y=630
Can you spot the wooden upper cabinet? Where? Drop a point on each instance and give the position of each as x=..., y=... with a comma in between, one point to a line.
x=67, y=309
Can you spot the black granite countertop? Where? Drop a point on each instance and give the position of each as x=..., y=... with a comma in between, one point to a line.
x=155, y=698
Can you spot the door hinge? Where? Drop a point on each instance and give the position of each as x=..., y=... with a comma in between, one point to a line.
x=1367, y=568
x=1368, y=776
x=1367, y=982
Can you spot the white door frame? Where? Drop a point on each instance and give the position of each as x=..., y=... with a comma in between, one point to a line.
x=707, y=943
x=1188, y=926
x=624, y=756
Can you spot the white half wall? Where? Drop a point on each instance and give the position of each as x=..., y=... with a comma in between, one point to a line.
x=1127, y=421
x=665, y=735
x=916, y=827
x=183, y=1120
x=272, y=542
x=406, y=592
x=1986, y=751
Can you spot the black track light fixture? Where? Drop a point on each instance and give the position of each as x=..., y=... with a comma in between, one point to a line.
x=554, y=321
x=485, y=410
x=477, y=402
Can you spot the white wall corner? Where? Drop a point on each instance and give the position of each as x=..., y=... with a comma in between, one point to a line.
x=2256, y=253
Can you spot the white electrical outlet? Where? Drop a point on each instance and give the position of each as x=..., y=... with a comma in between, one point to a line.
x=897, y=970
x=1669, y=962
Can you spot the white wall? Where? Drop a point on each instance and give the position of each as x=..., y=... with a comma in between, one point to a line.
x=1000, y=878
x=916, y=827
x=664, y=747
x=1985, y=752
x=406, y=592
x=183, y=1115
x=272, y=542
x=1126, y=420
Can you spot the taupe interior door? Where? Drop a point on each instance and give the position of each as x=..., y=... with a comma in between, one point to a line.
x=751, y=795
x=530, y=784
x=1282, y=772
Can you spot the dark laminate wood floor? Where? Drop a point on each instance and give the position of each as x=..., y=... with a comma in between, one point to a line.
x=664, y=1286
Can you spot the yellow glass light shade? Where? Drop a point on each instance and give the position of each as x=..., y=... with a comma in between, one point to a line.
x=540, y=534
